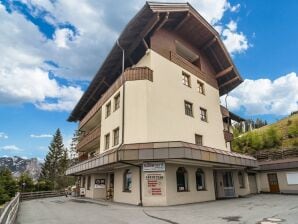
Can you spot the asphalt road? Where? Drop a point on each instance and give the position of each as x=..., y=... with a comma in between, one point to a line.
x=259, y=209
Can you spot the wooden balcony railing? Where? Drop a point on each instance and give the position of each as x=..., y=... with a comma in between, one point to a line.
x=91, y=136
x=276, y=154
x=228, y=136
x=130, y=74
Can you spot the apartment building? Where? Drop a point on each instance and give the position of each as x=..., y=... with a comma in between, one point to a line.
x=152, y=128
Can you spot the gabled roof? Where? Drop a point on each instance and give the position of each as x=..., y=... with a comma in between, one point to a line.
x=179, y=16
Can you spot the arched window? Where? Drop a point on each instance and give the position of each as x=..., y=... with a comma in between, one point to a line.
x=200, y=180
x=241, y=179
x=127, y=178
x=182, y=182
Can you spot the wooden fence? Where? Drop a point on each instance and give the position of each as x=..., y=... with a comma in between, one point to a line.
x=9, y=212
x=276, y=155
x=41, y=194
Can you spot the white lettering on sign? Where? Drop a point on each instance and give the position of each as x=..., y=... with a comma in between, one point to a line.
x=154, y=166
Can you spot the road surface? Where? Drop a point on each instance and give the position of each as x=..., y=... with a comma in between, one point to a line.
x=251, y=210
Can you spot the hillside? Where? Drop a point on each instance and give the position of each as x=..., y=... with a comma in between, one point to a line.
x=281, y=134
x=18, y=165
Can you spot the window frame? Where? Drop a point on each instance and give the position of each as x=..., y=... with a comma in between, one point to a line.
x=202, y=175
x=187, y=81
x=116, y=130
x=191, y=108
x=203, y=114
x=196, y=142
x=127, y=180
x=180, y=179
x=201, y=87
x=107, y=141
x=108, y=109
x=117, y=102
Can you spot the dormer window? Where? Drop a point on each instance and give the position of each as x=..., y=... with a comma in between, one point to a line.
x=187, y=54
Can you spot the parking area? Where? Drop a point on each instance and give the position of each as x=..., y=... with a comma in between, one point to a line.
x=257, y=209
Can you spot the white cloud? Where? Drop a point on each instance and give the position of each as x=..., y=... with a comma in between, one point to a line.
x=41, y=136
x=263, y=96
x=3, y=135
x=236, y=42
x=36, y=88
x=77, y=51
x=62, y=37
x=10, y=148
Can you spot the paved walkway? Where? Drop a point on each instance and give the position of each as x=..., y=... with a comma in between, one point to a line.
x=252, y=210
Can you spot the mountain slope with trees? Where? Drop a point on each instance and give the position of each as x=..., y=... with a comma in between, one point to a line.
x=282, y=134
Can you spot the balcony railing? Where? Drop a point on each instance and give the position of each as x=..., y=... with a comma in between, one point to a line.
x=88, y=138
x=228, y=136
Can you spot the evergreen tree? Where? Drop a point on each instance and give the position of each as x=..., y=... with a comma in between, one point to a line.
x=25, y=183
x=8, y=186
x=55, y=163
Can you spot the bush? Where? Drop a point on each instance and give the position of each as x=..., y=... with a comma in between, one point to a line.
x=293, y=130
x=4, y=197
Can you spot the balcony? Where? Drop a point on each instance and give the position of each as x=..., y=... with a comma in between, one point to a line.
x=228, y=136
x=89, y=140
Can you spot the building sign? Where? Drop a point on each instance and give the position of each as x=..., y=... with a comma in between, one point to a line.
x=154, y=184
x=100, y=183
x=154, y=166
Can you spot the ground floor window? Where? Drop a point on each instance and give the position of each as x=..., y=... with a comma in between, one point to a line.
x=182, y=182
x=127, y=180
x=83, y=182
x=241, y=179
x=200, y=180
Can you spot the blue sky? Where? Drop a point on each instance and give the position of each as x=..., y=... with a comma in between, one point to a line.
x=50, y=51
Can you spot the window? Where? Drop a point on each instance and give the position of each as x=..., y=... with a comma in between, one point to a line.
x=107, y=141
x=188, y=108
x=203, y=114
x=127, y=178
x=199, y=139
x=88, y=182
x=117, y=102
x=186, y=79
x=116, y=136
x=182, y=182
x=201, y=88
x=108, y=109
x=200, y=180
x=241, y=179
x=187, y=53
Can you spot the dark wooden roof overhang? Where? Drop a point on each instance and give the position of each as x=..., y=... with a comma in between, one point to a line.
x=135, y=38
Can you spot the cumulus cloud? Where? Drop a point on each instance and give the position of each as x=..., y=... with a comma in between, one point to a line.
x=41, y=136
x=3, y=135
x=19, y=85
x=236, y=42
x=263, y=96
x=82, y=34
x=13, y=148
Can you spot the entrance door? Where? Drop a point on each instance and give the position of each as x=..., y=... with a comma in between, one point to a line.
x=273, y=182
x=228, y=185
x=224, y=185
x=110, y=190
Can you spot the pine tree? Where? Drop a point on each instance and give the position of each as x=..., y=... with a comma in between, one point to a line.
x=56, y=161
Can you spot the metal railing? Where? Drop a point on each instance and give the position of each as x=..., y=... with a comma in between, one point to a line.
x=9, y=212
x=41, y=194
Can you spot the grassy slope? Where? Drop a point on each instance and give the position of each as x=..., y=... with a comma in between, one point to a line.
x=282, y=127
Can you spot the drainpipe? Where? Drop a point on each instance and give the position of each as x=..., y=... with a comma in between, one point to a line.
x=122, y=139
x=228, y=110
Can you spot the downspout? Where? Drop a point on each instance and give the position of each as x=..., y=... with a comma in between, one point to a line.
x=228, y=111
x=122, y=138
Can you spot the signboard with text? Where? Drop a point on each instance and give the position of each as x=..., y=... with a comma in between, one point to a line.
x=154, y=166
x=100, y=183
x=154, y=184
